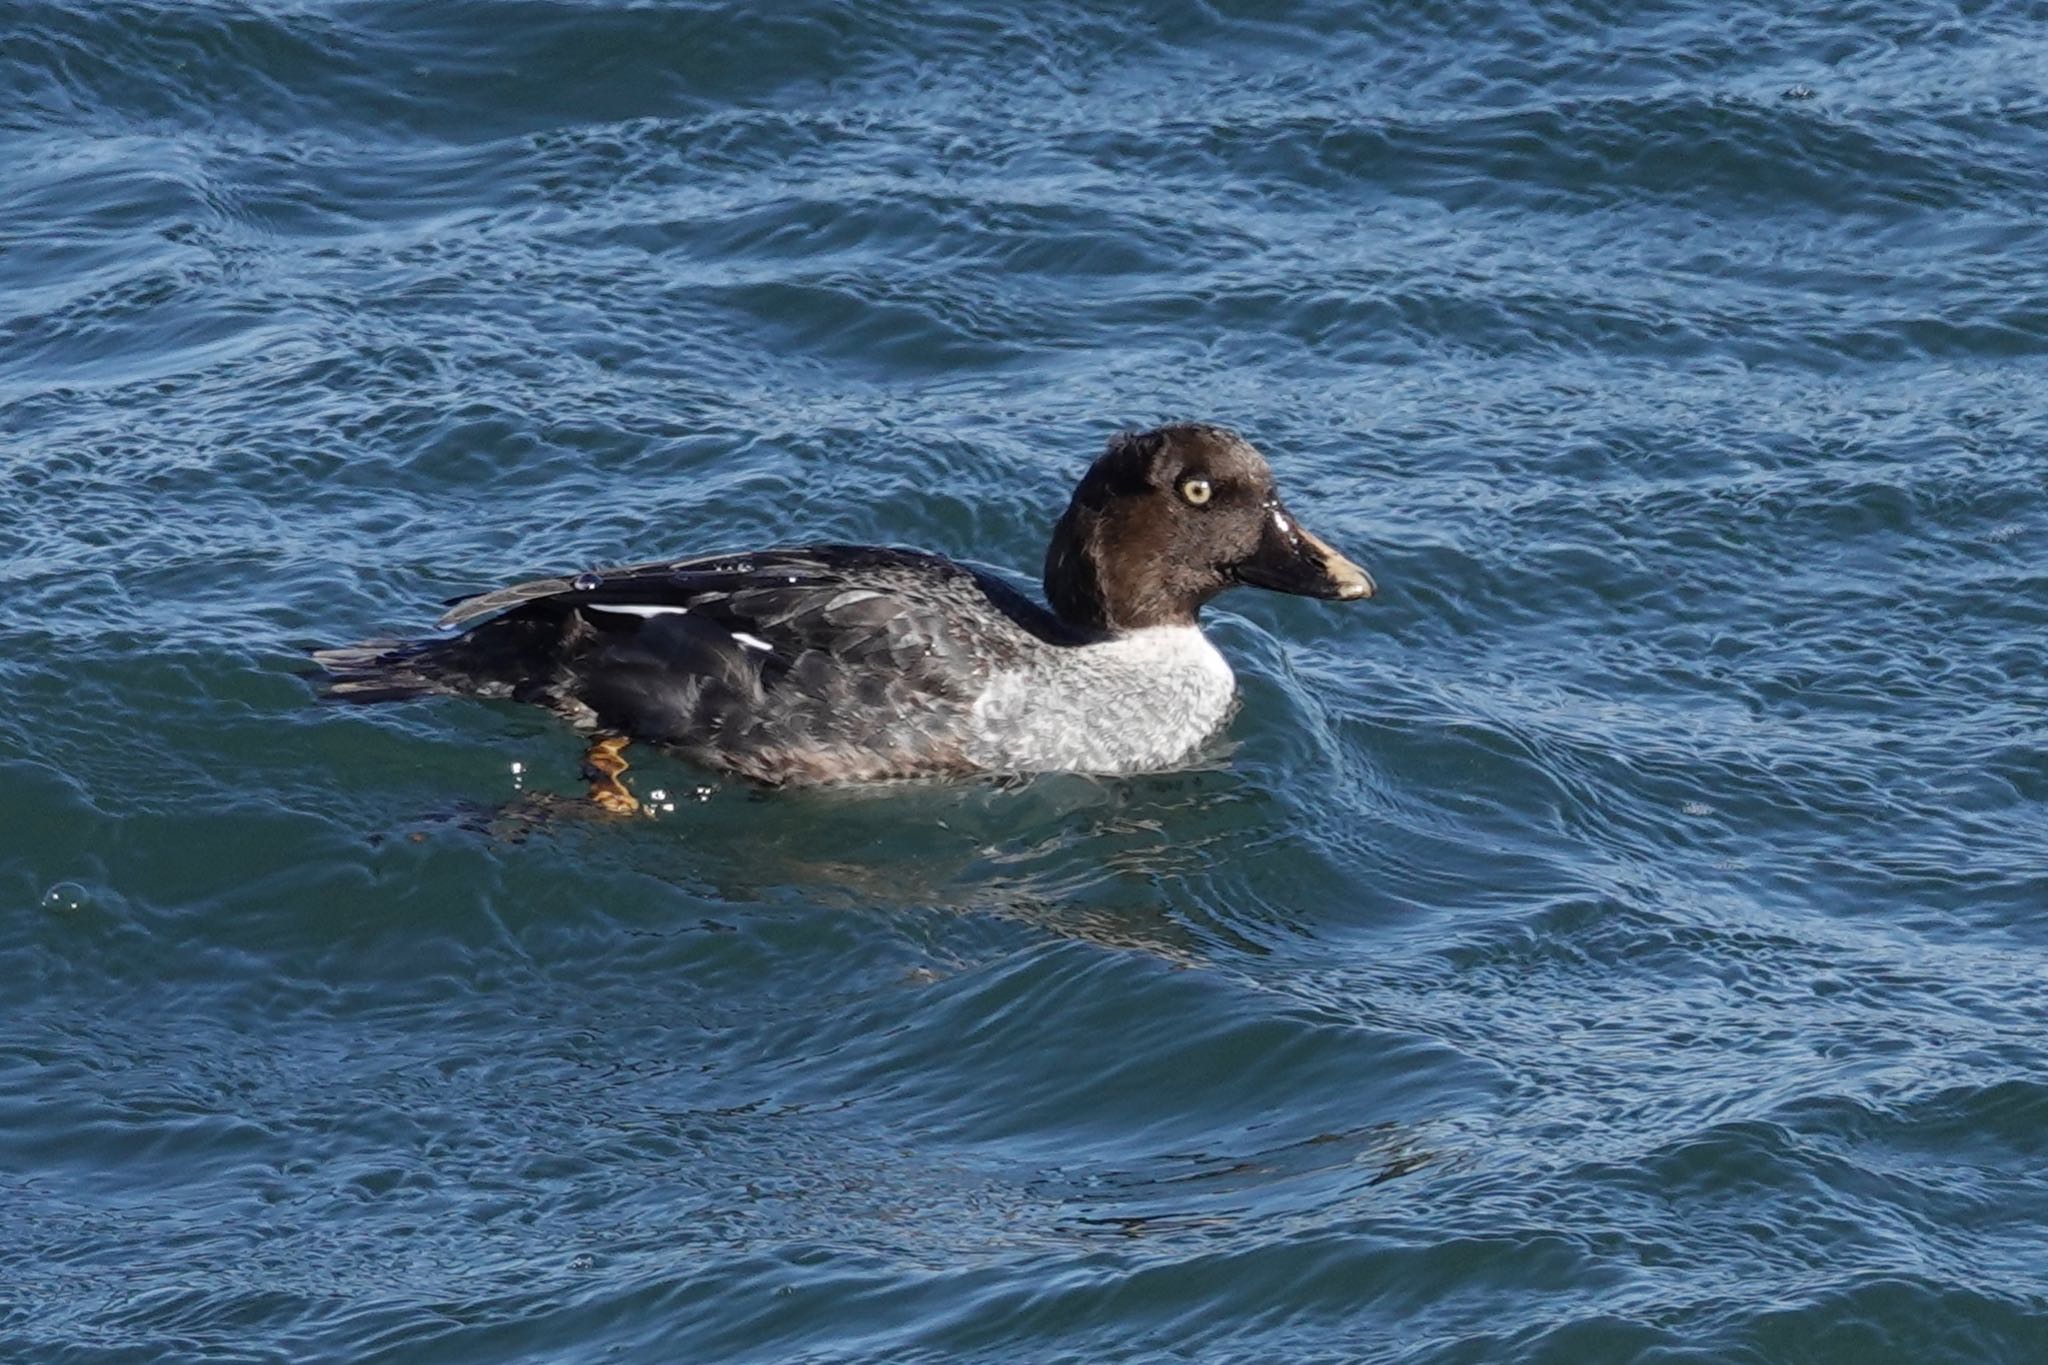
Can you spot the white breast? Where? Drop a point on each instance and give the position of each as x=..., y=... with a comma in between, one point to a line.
x=1141, y=701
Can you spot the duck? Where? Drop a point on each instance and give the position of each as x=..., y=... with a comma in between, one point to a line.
x=835, y=663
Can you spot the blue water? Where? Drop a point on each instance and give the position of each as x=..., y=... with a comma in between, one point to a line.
x=1623, y=941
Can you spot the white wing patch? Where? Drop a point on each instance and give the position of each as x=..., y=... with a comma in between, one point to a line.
x=636, y=609
x=642, y=609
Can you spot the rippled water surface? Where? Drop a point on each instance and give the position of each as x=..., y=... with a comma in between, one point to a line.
x=1623, y=941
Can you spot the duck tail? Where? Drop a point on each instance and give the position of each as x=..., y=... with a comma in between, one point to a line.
x=381, y=670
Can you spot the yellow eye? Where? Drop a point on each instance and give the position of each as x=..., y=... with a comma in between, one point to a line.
x=1196, y=491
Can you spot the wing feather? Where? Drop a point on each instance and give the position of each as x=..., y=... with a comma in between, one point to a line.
x=858, y=656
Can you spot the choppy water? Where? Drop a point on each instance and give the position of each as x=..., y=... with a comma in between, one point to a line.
x=1624, y=941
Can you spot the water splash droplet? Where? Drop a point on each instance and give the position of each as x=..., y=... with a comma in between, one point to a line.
x=64, y=898
x=586, y=582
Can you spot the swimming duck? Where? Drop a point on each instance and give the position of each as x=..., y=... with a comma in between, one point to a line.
x=848, y=663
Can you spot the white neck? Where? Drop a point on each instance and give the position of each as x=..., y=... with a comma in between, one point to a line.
x=1141, y=700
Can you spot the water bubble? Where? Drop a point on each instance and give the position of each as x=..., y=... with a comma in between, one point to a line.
x=586, y=582
x=64, y=898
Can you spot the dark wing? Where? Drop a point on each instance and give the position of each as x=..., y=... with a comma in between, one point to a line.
x=817, y=662
x=809, y=594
